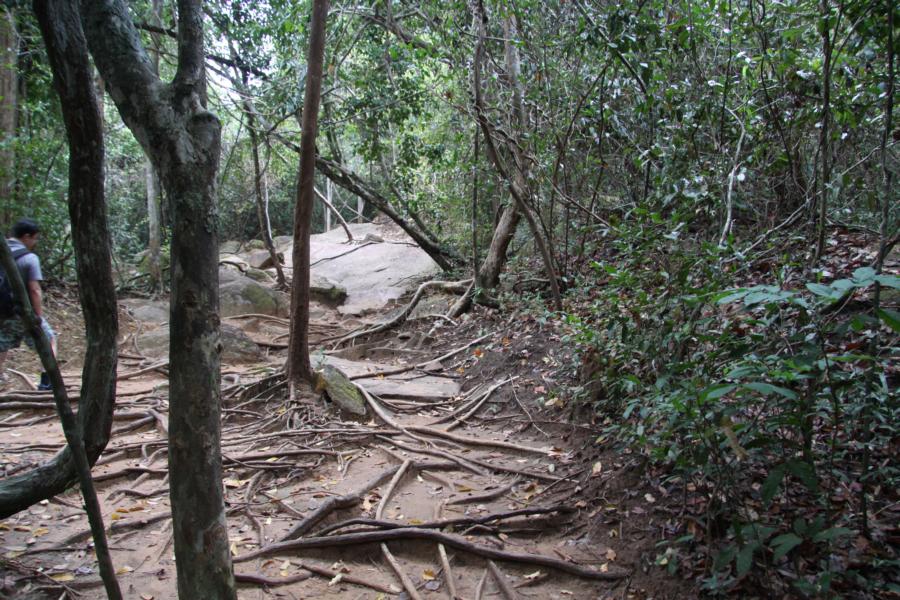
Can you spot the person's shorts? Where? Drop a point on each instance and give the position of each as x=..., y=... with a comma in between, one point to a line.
x=12, y=330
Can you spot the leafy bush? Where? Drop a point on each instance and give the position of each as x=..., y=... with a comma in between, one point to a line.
x=772, y=406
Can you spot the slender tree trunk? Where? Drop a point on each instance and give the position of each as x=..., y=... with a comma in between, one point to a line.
x=328, y=195
x=154, y=190
x=93, y=262
x=9, y=87
x=183, y=140
x=824, y=133
x=299, y=368
x=262, y=203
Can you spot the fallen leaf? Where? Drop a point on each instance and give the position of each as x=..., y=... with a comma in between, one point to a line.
x=41, y=531
x=611, y=554
x=62, y=577
x=416, y=521
x=534, y=575
x=428, y=575
x=596, y=469
x=649, y=498
x=124, y=569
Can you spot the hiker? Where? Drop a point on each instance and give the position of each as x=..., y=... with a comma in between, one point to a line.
x=25, y=234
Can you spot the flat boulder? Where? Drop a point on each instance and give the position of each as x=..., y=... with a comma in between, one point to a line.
x=237, y=347
x=147, y=311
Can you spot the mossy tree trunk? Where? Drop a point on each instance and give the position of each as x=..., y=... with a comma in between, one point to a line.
x=182, y=139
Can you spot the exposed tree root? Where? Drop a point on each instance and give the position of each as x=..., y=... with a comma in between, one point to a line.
x=415, y=533
x=456, y=287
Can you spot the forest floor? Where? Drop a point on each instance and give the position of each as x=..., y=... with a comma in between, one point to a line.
x=468, y=443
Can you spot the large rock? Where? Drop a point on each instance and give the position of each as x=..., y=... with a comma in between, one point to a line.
x=147, y=311
x=237, y=346
x=380, y=267
x=261, y=259
x=325, y=290
x=229, y=247
x=241, y=295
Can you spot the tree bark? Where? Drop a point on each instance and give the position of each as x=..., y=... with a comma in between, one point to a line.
x=183, y=141
x=299, y=368
x=9, y=87
x=91, y=241
x=154, y=192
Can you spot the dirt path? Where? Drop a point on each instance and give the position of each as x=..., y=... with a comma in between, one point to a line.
x=460, y=447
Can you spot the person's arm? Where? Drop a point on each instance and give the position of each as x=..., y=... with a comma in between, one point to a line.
x=34, y=294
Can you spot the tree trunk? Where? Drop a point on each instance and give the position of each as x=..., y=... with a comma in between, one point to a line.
x=9, y=86
x=154, y=193
x=182, y=139
x=515, y=180
x=90, y=238
x=262, y=200
x=299, y=368
x=489, y=274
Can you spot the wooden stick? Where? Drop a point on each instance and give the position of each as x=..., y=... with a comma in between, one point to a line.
x=415, y=533
x=270, y=581
x=442, y=555
x=508, y=592
x=479, y=589
x=408, y=585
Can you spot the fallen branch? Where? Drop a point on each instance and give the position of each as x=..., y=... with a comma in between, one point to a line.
x=508, y=592
x=415, y=533
x=270, y=581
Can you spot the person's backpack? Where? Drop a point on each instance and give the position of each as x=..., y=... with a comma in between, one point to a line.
x=7, y=300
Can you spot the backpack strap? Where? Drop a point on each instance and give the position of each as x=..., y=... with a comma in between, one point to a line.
x=20, y=253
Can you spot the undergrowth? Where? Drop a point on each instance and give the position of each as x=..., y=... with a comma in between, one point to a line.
x=767, y=399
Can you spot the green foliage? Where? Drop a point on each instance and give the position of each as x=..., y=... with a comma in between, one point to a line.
x=761, y=398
